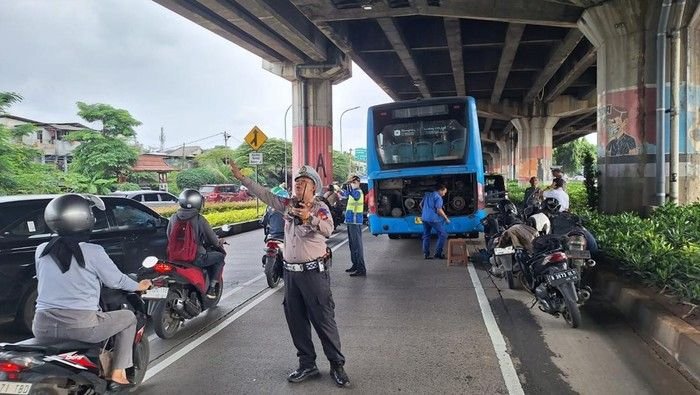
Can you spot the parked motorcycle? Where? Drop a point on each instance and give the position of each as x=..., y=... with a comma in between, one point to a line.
x=69, y=366
x=179, y=293
x=547, y=275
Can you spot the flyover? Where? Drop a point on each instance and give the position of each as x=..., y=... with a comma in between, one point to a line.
x=544, y=72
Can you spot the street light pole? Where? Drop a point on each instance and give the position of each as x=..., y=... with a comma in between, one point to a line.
x=285, y=143
x=341, y=125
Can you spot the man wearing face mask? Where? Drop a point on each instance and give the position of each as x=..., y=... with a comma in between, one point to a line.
x=353, y=221
x=307, y=291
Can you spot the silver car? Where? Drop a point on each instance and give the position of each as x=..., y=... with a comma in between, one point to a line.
x=149, y=198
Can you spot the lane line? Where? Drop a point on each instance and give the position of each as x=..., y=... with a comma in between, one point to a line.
x=510, y=376
x=160, y=366
x=206, y=336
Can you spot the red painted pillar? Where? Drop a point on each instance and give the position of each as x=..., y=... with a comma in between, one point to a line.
x=312, y=138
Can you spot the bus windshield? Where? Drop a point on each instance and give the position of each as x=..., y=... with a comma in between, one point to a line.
x=421, y=136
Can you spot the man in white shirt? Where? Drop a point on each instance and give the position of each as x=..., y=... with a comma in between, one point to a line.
x=559, y=194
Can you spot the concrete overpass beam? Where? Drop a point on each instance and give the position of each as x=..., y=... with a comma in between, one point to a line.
x=534, y=147
x=393, y=34
x=624, y=33
x=556, y=59
x=453, y=32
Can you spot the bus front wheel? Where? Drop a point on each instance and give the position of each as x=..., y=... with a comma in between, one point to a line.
x=394, y=237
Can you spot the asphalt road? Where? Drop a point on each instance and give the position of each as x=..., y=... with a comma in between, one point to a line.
x=410, y=326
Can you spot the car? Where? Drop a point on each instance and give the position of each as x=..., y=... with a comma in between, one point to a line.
x=216, y=193
x=149, y=198
x=128, y=231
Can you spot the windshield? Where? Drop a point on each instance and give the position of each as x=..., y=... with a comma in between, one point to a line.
x=407, y=137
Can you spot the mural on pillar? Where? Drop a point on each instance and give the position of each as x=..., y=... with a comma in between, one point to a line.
x=619, y=138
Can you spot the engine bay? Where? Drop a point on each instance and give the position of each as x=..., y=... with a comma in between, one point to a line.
x=398, y=197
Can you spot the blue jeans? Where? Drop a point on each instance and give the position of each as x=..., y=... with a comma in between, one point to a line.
x=442, y=236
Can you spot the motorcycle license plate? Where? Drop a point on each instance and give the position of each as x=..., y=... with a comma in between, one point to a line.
x=504, y=251
x=579, y=254
x=11, y=387
x=565, y=276
x=156, y=293
x=419, y=220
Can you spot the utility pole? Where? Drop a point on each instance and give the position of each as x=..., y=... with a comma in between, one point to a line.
x=162, y=139
x=226, y=137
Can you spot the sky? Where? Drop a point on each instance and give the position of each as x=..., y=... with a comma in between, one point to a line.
x=165, y=70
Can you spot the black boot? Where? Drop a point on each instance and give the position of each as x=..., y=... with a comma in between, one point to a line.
x=339, y=376
x=302, y=374
x=211, y=292
x=352, y=269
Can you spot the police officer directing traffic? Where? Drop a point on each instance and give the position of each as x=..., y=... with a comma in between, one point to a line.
x=307, y=292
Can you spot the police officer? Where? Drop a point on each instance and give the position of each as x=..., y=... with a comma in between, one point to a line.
x=353, y=221
x=307, y=292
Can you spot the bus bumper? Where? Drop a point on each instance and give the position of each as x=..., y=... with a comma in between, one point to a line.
x=413, y=225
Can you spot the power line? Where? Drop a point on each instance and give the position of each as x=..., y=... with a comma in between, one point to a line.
x=195, y=141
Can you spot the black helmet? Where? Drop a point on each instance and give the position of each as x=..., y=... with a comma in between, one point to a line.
x=72, y=213
x=189, y=198
x=552, y=205
x=505, y=206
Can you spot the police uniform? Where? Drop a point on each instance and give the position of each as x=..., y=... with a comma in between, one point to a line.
x=307, y=292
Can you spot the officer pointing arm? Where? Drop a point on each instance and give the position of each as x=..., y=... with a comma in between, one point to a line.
x=307, y=292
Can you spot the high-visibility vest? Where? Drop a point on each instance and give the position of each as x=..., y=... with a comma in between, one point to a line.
x=355, y=209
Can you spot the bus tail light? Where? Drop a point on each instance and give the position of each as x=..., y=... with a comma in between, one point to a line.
x=371, y=203
x=480, y=196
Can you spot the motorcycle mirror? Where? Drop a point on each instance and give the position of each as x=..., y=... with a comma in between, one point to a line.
x=95, y=201
x=226, y=228
x=149, y=262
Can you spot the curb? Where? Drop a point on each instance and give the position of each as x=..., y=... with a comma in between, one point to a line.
x=240, y=227
x=675, y=336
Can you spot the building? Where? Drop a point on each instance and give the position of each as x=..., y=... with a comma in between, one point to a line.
x=154, y=162
x=182, y=157
x=49, y=138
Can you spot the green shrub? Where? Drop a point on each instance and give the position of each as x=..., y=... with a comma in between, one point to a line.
x=127, y=186
x=195, y=178
x=212, y=207
x=662, y=251
x=233, y=216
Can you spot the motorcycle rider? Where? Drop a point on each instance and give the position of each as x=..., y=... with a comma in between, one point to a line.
x=559, y=194
x=273, y=220
x=70, y=273
x=191, y=203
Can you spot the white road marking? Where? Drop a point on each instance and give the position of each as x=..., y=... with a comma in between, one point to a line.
x=160, y=366
x=510, y=376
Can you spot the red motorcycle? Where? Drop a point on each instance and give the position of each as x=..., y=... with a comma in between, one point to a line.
x=178, y=293
x=272, y=261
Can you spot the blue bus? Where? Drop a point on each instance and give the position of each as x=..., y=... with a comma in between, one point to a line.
x=411, y=147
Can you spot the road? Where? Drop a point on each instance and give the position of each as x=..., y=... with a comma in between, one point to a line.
x=410, y=326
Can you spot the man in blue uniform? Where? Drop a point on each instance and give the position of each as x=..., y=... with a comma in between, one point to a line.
x=432, y=217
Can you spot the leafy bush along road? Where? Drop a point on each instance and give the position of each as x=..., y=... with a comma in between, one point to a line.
x=223, y=213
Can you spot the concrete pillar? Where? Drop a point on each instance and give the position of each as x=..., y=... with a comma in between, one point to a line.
x=534, y=147
x=624, y=32
x=312, y=111
x=505, y=157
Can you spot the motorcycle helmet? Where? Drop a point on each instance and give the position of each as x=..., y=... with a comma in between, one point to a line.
x=551, y=204
x=505, y=206
x=189, y=198
x=72, y=214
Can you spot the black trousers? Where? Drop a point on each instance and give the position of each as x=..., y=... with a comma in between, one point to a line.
x=308, y=301
x=213, y=262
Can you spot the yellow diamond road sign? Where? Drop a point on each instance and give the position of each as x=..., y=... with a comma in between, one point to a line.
x=255, y=138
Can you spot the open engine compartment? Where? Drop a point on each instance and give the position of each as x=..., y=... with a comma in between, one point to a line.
x=398, y=197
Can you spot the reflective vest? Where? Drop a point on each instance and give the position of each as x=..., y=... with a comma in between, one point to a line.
x=355, y=209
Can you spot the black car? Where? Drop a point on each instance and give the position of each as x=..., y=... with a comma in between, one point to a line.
x=128, y=231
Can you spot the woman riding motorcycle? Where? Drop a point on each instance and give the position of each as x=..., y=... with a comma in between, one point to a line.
x=70, y=272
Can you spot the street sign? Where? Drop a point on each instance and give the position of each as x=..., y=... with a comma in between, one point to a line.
x=255, y=158
x=255, y=138
x=361, y=154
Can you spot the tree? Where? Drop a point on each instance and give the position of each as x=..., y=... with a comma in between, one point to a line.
x=195, y=178
x=570, y=155
x=115, y=122
x=19, y=167
x=271, y=172
x=105, y=154
x=341, y=166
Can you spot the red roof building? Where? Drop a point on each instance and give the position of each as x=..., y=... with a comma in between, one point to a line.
x=153, y=163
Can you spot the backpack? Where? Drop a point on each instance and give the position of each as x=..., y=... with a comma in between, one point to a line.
x=182, y=245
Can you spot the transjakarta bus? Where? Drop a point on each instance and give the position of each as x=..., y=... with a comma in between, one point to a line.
x=411, y=147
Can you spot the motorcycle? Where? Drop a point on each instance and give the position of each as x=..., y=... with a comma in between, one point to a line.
x=272, y=261
x=179, y=293
x=500, y=258
x=547, y=275
x=69, y=366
